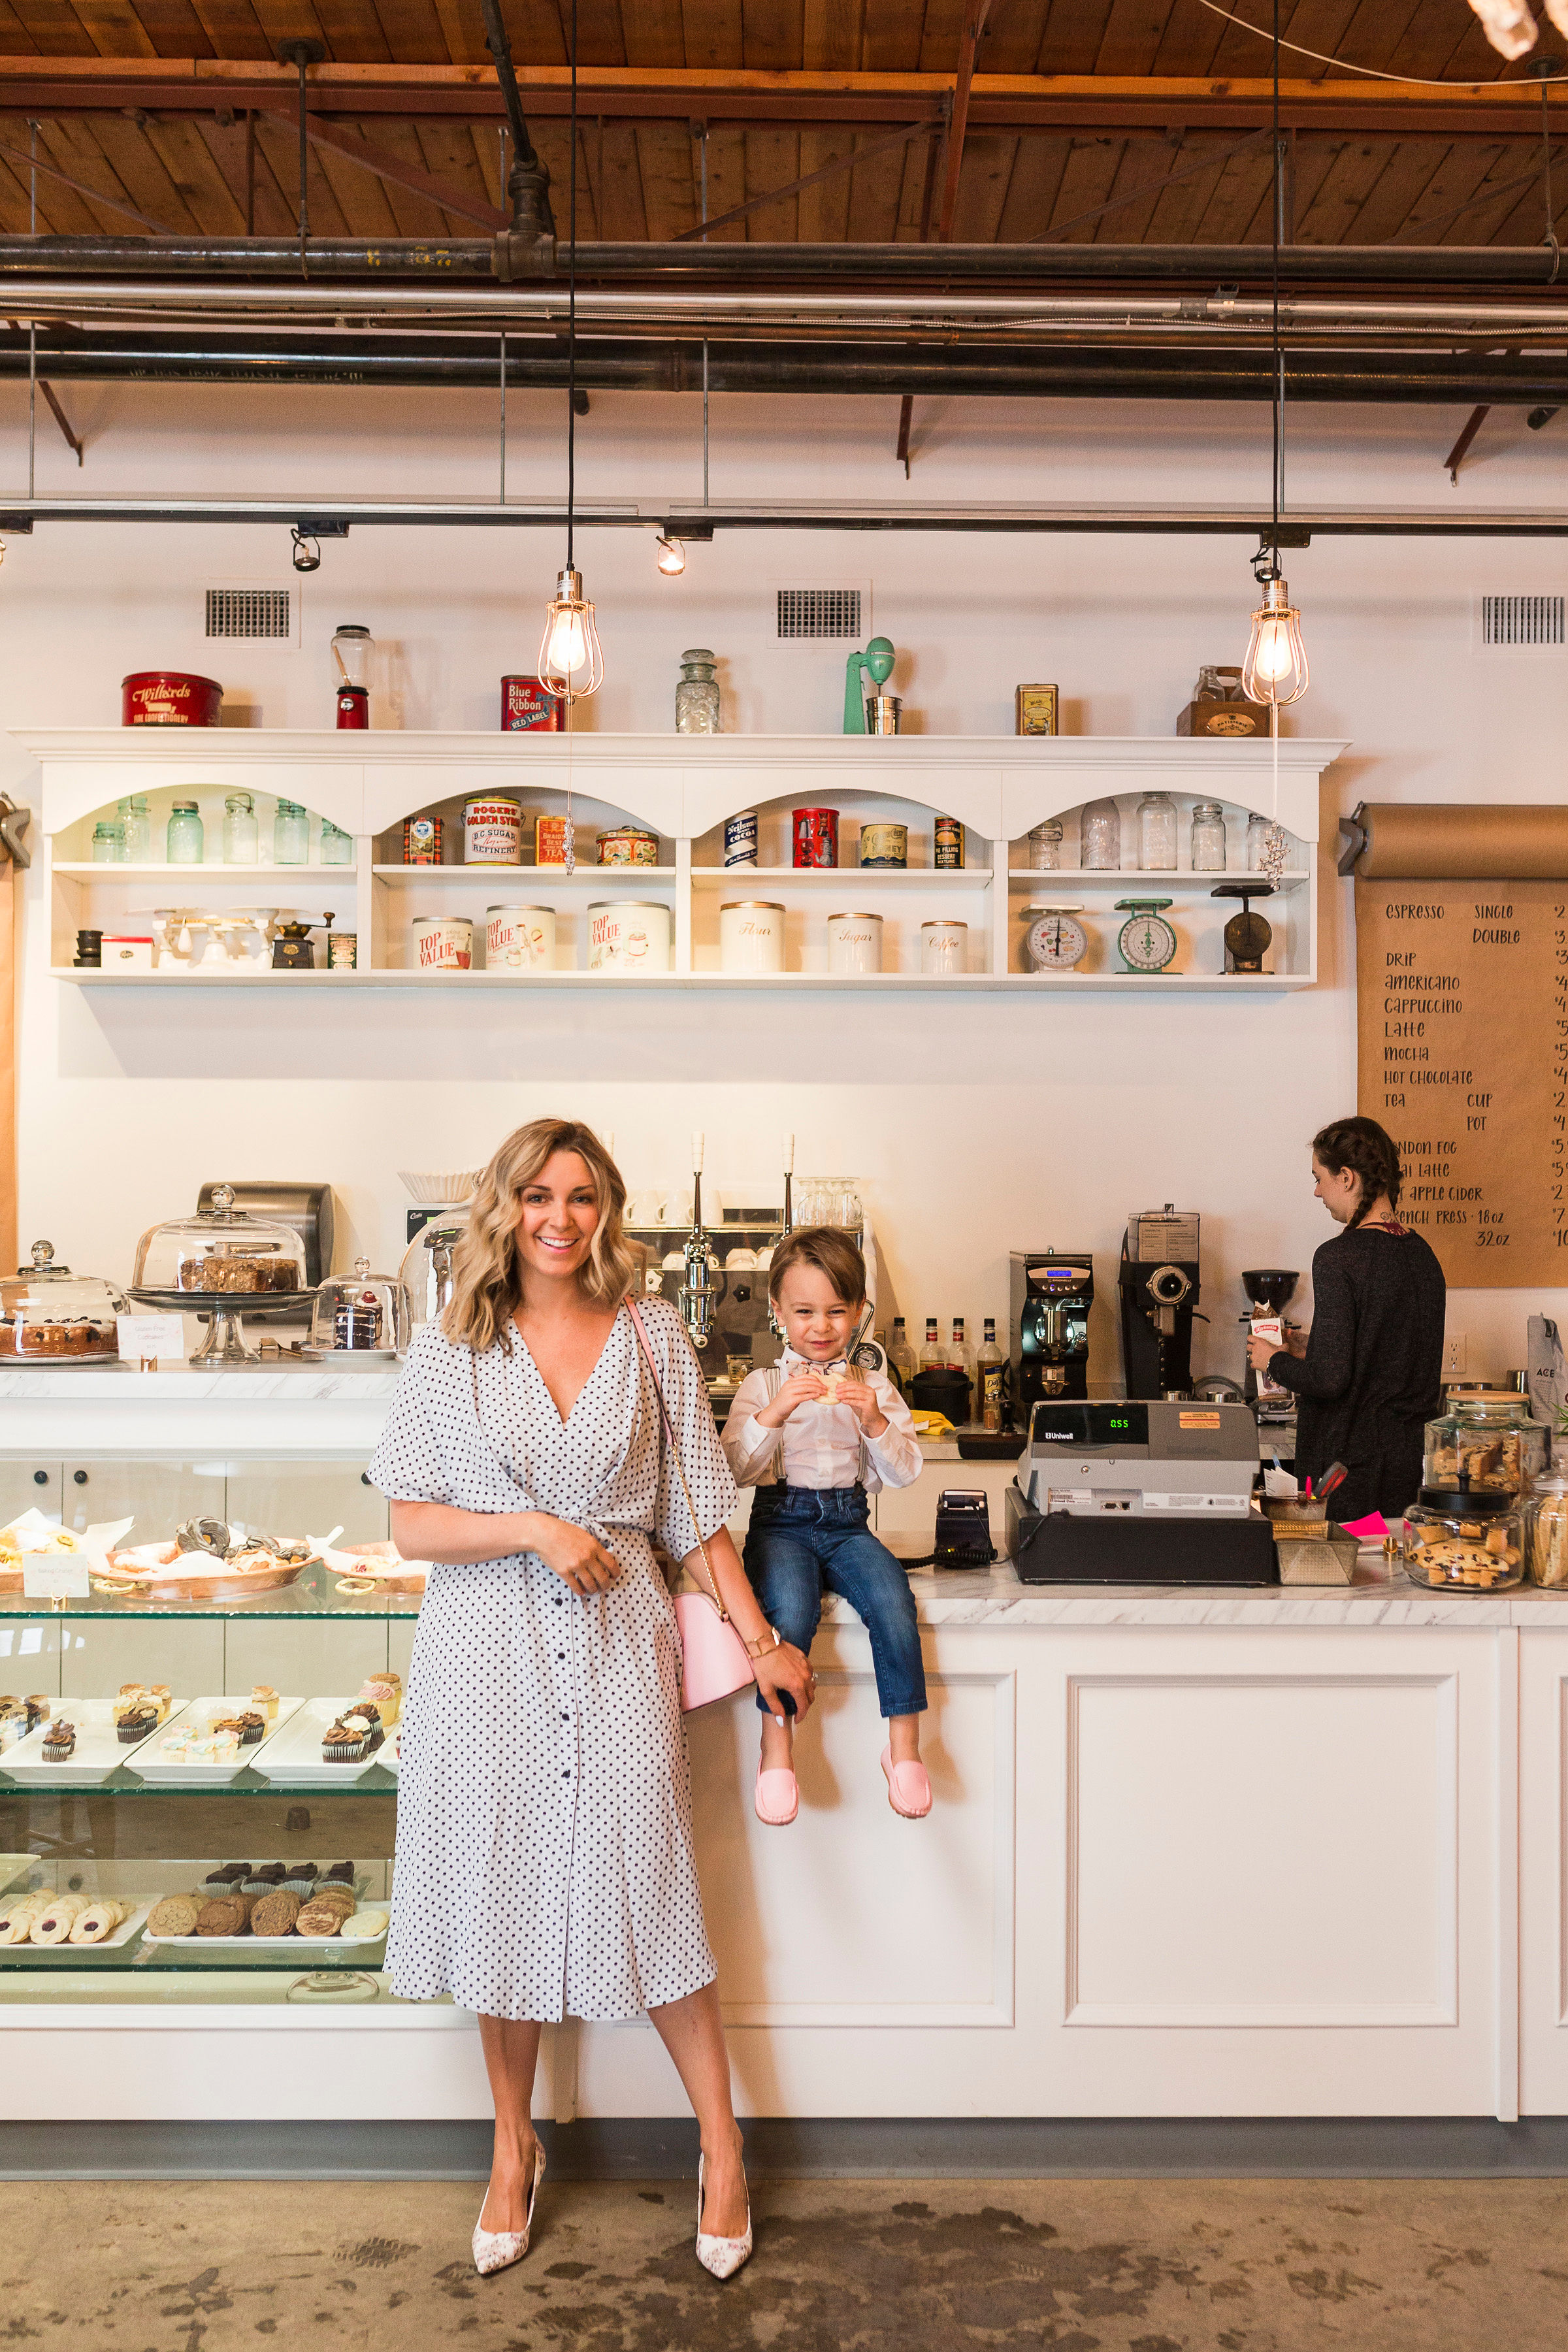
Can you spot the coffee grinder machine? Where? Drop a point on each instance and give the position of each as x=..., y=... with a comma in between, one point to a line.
x=1270, y=1289
x=1049, y=1298
x=1159, y=1276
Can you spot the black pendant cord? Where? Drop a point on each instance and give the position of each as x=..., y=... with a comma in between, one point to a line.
x=1279, y=354
x=571, y=307
x=304, y=161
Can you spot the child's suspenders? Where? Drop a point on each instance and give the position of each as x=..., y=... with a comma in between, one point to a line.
x=776, y=1382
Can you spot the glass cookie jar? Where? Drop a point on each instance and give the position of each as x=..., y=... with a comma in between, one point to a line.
x=362, y=1314
x=1463, y=1547
x=1546, y=1532
x=1485, y=1445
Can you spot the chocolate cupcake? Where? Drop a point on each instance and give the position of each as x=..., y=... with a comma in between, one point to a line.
x=252, y=1729
x=275, y=1913
x=60, y=1742
x=40, y=1706
x=347, y=1742
x=137, y=1723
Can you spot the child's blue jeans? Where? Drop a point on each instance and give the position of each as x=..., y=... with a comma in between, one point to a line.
x=803, y=1542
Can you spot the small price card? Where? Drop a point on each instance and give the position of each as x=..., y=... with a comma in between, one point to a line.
x=143, y=1338
x=55, y=1575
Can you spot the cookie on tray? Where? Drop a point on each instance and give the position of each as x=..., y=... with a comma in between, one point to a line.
x=320, y=1919
x=275, y=1913
x=228, y=1916
x=176, y=1915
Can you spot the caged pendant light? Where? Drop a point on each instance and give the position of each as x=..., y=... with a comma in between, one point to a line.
x=570, y=659
x=1275, y=670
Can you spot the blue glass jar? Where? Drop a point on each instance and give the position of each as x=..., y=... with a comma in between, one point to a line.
x=185, y=835
x=132, y=815
x=337, y=846
x=290, y=836
x=240, y=842
x=109, y=843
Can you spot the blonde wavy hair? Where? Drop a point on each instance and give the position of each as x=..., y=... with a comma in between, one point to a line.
x=487, y=1275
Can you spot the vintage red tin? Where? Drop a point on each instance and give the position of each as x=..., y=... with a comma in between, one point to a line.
x=524, y=705
x=169, y=697
x=354, y=706
x=816, y=835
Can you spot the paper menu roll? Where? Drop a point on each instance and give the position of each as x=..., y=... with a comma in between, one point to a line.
x=1461, y=841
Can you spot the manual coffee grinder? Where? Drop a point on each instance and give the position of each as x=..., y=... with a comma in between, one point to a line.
x=1270, y=1289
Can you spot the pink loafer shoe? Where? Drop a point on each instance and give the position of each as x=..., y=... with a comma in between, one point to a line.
x=908, y=1788
x=777, y=1800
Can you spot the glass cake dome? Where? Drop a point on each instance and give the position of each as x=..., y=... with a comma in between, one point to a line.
x=50, y=1316
x=224, y=1261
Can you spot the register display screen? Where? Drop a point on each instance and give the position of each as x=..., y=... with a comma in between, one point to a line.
x=1107, y=1423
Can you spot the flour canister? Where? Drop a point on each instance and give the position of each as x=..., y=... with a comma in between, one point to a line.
x=443, y=942
x=944, y=946
x=492, y=831
x=519, y=939
x=853, y=944
x=752, y=935
x=628, y=935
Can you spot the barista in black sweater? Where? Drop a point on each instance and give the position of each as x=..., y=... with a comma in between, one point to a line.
x=1371, y=1372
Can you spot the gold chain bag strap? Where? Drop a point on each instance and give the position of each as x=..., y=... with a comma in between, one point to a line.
x=713, y=1660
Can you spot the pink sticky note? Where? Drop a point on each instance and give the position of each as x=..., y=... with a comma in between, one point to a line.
x=1371, y=1529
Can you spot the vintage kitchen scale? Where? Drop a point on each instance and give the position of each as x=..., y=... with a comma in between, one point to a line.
x=1147, y=942
x=1247, y=938
x=1119, y=1490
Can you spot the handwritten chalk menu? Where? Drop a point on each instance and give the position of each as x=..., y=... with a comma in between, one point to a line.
x=1463, y=1030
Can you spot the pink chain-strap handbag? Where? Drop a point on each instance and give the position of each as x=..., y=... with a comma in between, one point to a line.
x=713, y=1661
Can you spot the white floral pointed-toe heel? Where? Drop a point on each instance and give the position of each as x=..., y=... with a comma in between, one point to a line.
x=721, y=2256
x=497, y=2250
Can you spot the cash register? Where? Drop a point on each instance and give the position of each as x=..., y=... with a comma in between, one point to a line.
x=1118, y=1490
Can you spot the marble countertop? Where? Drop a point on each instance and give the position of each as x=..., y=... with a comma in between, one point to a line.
x=122, y=1384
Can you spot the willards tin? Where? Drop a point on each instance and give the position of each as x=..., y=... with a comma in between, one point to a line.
x=422, y=841
x=492, y=831
x=525, y=705
x=629, y=845
x=815, y=834
x=169, y=697
x=884, y=845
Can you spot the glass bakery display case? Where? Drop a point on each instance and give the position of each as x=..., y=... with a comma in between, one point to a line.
x=199, y=1743
x=49, y=1314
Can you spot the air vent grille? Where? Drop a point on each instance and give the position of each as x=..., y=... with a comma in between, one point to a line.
x=1523, y=623
x=819, y=612
x=248, y=613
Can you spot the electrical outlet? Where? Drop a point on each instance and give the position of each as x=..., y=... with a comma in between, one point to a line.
x=1456, y=1355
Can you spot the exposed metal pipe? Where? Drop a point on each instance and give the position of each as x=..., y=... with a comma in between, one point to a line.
x=1072, y=371
x=883, y=266
x=528, y=181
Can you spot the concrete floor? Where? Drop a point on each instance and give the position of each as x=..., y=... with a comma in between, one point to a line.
x=855, y=2266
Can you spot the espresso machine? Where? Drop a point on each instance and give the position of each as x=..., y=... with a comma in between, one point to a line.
x=1049, y=1298
x=1270, y=1289
x=1159, y=1278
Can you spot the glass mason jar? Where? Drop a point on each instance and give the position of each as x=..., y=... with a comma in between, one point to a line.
x=1099, y=838
x=697, y=694
x=1456, y=1548
x=1258, y=829
x=1208, y=837
x=337, y=846
x=132, y=815
x=185, y=837
x=1046, y=846
x=1483, y=1447
x=1546, y=1532
x=241, y=841
x=290, y=834
x=109, y=843
x=1156, y=833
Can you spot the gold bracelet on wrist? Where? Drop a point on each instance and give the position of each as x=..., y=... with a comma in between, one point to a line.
x=763, y=1643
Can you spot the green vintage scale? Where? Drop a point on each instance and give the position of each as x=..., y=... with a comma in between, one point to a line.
x=1146, y=939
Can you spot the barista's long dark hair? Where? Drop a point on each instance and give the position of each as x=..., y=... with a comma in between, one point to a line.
x=1370, y=1152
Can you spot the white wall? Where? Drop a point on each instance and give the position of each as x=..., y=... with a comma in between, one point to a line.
x=977, y=1125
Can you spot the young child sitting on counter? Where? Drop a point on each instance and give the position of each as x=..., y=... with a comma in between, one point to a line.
x=815, y=1438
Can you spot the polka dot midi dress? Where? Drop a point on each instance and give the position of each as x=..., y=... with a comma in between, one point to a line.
x=544, y=1856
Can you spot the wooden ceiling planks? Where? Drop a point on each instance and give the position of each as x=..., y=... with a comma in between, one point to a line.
x=1014, y=31
x=1354, y=168
x=280, y=146
x=1033, y=187
x=988, y=158
x=1133, y=32
x=885, y=194
x=61, y=211
x=666, y=155
x=714, y=33
x=653, y=34
x=823, y=211
x=114, y=28
x=1072, y=35
x=72, y=146
x=16, y=41
x=1088, y=178
x=193, y=171
x=833, y=35
x=772, y=35
x=290, y=20
x=359, y=38
x=56, y=28
x=772, y=160
x=463, y=30
x=233, y=28
x=893, y=36
x=601, y=35
x=173, y=28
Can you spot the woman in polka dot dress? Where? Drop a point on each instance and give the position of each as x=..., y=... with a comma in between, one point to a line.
x=544, y=1854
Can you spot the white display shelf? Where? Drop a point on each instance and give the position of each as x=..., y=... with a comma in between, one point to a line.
x=684, y=787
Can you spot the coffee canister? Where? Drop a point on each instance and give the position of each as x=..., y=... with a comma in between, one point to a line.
x=949, y=842
x=814, y=832
x=628, y=935
x=853, y=944
x=550, y=841
x=492, y=831
x=343, y=951
x=519, y=939
x=422, y=841
x=169, y=697
x=525, y=705
x=443, y=942
x=884, y=845
x=944, y=946
x=629, y=845
x=740, y=839
x=752, y=935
